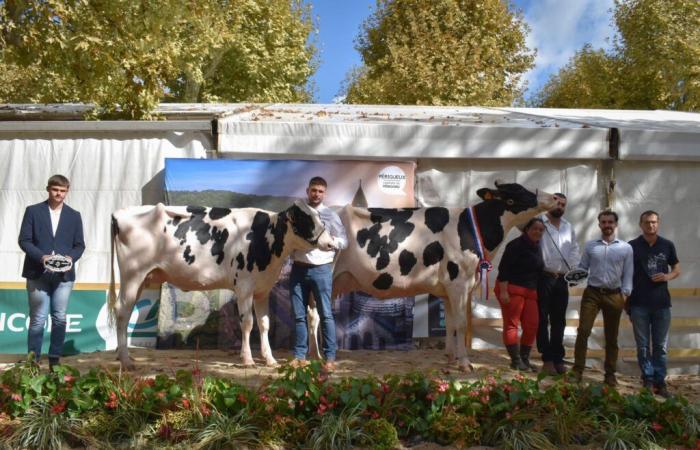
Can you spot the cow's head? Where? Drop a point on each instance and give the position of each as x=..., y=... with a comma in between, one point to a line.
x=307, y=225
x=509, y=205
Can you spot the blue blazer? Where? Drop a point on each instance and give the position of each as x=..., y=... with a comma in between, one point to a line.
x=36, y=238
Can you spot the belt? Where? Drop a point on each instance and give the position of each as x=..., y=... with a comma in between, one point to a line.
x=605, y=291
x=305, y=265
x=553, y=274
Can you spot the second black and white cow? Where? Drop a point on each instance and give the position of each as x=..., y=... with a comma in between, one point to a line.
x=403, y=252
x=198, y=248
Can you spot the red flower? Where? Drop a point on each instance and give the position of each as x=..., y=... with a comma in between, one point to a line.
x=59, y=407
x=185, y=403
x=656, y=426
x=430, y=397
x=204, y=409
x=242, y=399
x=150, y=382
x=68, y=379
x=485, y=399
x=113, y=401
x=16, y=397
x=264, y=398
x=375, y=415
x=385, y=388
x=443, y=386
x=321, y=408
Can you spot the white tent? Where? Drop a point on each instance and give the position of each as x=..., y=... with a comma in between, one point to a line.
x=627, y=160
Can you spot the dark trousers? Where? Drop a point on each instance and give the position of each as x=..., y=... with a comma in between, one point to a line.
x=611, y=303
x=553, y=296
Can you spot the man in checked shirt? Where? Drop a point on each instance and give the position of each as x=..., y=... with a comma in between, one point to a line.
x=609, y=262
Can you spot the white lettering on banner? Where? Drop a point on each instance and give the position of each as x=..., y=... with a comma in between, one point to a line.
x=11, y=322
x=72, y=323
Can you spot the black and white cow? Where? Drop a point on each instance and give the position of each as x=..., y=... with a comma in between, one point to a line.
x=403, y=252
x=198, y=248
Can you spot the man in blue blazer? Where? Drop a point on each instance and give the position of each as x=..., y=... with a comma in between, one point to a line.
x=50, y=228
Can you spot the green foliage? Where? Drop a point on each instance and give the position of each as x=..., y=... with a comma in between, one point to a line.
x=127, y=56
x=440, y=52
x=654, y=62
x=337, y=432
x=303, y=408
x=379, y=434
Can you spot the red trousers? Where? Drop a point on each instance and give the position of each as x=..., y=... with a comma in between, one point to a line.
x=522, y=308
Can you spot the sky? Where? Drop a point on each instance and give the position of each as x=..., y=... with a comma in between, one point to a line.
x=558, y=29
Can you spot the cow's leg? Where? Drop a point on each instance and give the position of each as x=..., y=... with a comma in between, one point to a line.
x=313, y=321
x=245, y=310
x=449, y=331
x=262, y=313
x=459, y=299
x=128, y=295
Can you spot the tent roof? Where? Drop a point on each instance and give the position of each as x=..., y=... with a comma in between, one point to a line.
x=397, y=132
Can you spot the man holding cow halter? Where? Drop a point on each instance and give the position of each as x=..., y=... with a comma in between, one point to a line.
x=560, y=251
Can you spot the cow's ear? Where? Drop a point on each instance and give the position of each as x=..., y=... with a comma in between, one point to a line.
x=486, y=194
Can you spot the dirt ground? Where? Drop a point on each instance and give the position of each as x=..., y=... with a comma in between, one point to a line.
x=356, y=363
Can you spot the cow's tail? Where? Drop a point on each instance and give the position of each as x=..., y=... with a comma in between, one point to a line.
x=112, y=299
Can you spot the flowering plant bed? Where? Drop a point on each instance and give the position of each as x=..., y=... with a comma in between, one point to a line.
x=304, y=408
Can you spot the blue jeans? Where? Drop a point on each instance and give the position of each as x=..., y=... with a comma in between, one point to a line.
x=302, y=282
x=651, y=334
x=48, y=292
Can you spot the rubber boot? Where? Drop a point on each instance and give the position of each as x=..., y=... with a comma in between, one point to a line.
x=515, y=361
x=525, y=357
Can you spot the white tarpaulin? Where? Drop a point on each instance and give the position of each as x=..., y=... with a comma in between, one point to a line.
x=107, y=170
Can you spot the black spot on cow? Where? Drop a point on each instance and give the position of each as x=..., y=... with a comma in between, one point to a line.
x=436, y=218
x=240, y=261
x=382, y=261
x=302, y=222
x=383, y=281
x=489, y=215
x=385, y=245
x=406, y=261
x=195, y=223
x=176, y=220
x=452, y=270
x=259, y=253
x=433, y=253
x=219, y=238
x=464, y=230
x=279, y=230
x=165, y=229
x=187, y=255
x=218, y=213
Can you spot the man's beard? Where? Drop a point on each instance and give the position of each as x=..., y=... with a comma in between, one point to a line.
x=556, y=213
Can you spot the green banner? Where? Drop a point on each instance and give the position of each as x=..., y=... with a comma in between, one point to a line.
x=87, y=325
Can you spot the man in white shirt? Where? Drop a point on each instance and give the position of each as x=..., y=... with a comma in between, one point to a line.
x=312, y=272
x=560, y=252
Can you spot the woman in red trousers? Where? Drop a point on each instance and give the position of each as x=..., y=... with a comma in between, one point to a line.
x=516, y=290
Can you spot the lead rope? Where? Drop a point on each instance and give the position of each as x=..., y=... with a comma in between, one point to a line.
x=485, y=265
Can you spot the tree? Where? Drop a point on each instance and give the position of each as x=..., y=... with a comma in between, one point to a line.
x=654, y=62
x=589, y=80
x=126, y=56
x=440, y=52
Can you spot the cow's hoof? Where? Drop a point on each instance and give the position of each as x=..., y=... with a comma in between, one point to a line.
x=466, y=367
x=271, y=362
x=128, y=365
x=250, y=363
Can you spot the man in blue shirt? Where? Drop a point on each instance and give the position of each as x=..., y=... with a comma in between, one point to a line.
x=609, y=263
x=650, y=302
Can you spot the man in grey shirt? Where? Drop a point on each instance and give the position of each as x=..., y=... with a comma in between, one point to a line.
x=609, y=262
